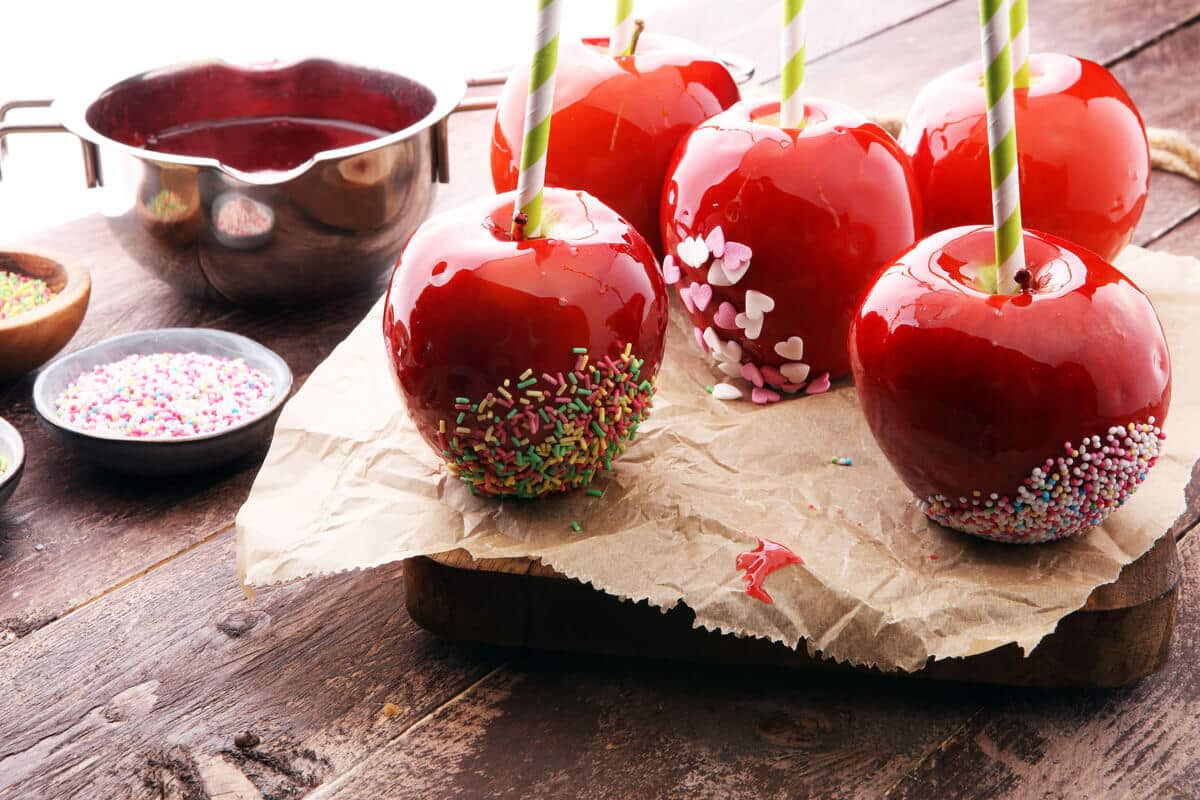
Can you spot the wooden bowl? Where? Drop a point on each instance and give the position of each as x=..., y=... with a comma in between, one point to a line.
x=31, y=338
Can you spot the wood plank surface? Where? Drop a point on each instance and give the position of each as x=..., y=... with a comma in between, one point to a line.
x=157, y=662
x=1139, y=742
x=597, y=727
x=166, y=671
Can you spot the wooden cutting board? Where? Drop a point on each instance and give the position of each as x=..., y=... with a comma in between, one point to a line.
x=1122, y=634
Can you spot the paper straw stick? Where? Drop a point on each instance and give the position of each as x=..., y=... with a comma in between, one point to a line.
x=1019, y=31
x=791, y=56
x=1002, y=144
x=532, y=178
x=620, y=41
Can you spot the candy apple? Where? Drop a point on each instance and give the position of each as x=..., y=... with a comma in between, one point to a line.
x=1082, y=152
x=772, y=234
x=1024, y=417
x=527, y=364
x=616, y=121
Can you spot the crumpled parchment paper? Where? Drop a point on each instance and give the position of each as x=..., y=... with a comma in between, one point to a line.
x=349, y=484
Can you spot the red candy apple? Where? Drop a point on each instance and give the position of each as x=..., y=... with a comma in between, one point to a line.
x=616, y=121
x=772, y=234
x=1024, y=417
x=527, y=364
x=1082, y=151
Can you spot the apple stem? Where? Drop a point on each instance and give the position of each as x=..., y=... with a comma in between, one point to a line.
x=520, y=220
x=639, y=25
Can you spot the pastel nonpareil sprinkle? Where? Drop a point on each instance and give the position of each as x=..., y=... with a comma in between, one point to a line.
x=165, y=396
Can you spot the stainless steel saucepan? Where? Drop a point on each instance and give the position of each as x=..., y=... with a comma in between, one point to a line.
x=263, y=232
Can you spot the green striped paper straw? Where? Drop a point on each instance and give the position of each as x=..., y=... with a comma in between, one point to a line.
x=1002, y=143
x=1019, y=30
x=532, y=179
x=620, y=41
x=791, y=56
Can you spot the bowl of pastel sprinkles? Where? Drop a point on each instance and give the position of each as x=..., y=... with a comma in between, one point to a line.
x=164, y=402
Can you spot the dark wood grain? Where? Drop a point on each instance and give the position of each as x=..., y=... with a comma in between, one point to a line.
x=1139, y=742
x=1184, y=239
x=93, y=704
x=593, y=727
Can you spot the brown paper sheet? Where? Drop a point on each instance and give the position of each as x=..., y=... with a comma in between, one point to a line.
x=349, y=484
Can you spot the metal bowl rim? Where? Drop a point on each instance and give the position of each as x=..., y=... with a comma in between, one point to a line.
x=71, y=110
x=62, y=362
x=8, y=431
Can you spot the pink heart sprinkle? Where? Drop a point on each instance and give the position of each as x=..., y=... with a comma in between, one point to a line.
x=699, y=337
x=773, y=376
x=670, y=270
x=764, y=396
x=819, y=386
x=724, y=316
x=701, y=294
x=716, y=241
x=736, y=260
x=685, y=294
x=752, y=374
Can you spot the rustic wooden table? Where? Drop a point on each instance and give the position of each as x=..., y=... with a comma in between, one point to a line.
x=131, y=659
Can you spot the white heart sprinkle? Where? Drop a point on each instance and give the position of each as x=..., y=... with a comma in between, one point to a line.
x=717, y=276
x=758, y=304
x=693, y=251
x=731, y=368
x=712, y=340
x=751, y=325
x=731, y=351
x=670, y=270
x=733, y=272
x=736, y=260
x=792, y=349
x=725, y=391
x=716, y=241
x=795, y=372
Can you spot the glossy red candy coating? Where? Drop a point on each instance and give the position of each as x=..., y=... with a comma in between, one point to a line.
x=970, y=391
x=1082, y=150
x=821, y=209
x=469, y=307
x=616, y=121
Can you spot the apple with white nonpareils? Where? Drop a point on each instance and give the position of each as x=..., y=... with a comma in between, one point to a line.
x=527, y=364
x=616, y=120
x=1021, y=417
x=771, y=235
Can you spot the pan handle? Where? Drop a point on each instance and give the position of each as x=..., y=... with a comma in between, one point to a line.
x=740, y=69
x=440, y=139
x=91, y=159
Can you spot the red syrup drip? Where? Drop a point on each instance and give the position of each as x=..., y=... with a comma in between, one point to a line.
x=760, y=562
x=261, y=144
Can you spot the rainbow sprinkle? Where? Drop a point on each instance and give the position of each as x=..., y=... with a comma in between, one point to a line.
x=540, y=434
x=1065, y=496
x=165, y=396
x=20, y=293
